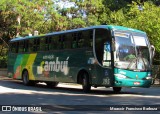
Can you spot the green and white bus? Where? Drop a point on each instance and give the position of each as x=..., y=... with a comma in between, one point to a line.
x=105, y=55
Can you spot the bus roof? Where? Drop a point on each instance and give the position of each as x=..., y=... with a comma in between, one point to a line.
x=110, y=27
x=113, y=27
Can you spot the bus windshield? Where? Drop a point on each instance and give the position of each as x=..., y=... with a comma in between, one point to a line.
x=132, y=51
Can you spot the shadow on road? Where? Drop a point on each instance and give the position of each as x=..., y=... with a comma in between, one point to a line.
x=17, y=84
x=13, y=92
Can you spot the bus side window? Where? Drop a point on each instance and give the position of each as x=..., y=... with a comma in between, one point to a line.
x=107, y=54
x=48, y=41
x=61, y=42
x=91, y=38
x=38, y=44
x=68, y=41
x=55, y=42
x=21, y=46
x=35, y=45
x=80, y=40
x=58, y=42
x=51, y=43
x=26, y=42
x=74, y=40
x=42, y=44
x=88, y=38
x=31, y=44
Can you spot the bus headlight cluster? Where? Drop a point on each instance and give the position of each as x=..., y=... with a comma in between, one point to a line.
x=148, y=77
x=120, y=76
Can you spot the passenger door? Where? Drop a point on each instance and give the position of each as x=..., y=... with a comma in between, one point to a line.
x=102, y=53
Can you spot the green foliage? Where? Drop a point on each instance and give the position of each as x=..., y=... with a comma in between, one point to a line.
x=3, y=61
x=147, y=20
x=77, y=23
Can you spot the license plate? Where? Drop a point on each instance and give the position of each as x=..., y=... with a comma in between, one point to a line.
x=136, y=83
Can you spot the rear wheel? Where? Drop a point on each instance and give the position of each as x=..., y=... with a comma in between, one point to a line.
x=52, y=84
x=85, y=83
x=117, y=89
x=25, y=78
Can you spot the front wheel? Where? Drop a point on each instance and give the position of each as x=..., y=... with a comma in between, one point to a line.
x=85, y=83
x=117, y=89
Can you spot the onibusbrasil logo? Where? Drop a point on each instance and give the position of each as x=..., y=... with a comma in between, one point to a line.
x=54, y=66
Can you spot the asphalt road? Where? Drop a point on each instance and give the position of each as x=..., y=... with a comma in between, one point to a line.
x=13, y=92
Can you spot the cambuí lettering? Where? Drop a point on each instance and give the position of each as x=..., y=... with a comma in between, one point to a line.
x=57, y=65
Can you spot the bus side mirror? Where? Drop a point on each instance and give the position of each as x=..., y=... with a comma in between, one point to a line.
x=152, y=50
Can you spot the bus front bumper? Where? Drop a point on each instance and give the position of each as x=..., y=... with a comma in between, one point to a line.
x=132, y=83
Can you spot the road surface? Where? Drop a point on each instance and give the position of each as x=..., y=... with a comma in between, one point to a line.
x=13, y=92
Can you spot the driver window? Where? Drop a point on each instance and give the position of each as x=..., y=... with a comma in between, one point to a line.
x=107, y=55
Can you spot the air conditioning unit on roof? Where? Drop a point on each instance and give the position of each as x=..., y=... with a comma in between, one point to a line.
x=35, y=33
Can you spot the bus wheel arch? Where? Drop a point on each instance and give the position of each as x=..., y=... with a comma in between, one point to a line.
x=84, y=79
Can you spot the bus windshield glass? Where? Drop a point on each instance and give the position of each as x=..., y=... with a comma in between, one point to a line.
x=132, y=51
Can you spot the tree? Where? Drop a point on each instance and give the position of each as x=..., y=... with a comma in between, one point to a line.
x=147, y=20
x=21, y=17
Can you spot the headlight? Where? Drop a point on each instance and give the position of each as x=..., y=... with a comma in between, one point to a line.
x=148, y=77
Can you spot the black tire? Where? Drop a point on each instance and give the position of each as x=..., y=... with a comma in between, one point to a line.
x=52, y=84
x=25, y=78
x=117, y=89
x=85, y=83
